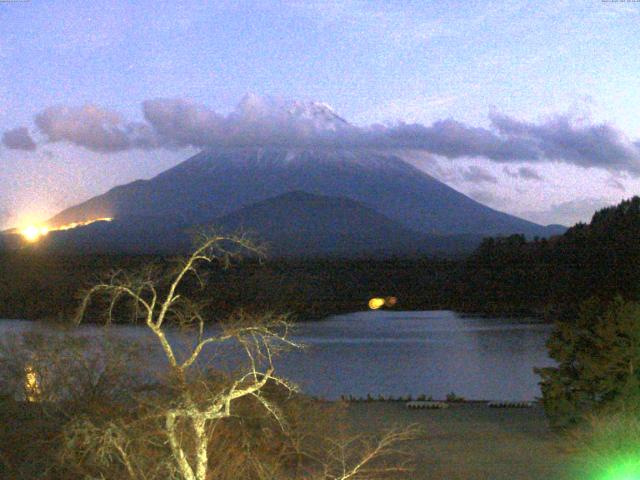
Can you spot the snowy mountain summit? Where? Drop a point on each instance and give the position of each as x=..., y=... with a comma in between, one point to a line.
x=273, y=121
x=321, y=115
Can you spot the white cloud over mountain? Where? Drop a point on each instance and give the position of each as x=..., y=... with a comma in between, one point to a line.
x=178, y=123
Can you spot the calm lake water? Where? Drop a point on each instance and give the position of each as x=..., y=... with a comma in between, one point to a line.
x=405, y=353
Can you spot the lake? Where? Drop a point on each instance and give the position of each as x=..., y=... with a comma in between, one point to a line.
x=405, y=353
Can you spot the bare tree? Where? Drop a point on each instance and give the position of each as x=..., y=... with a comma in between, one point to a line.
x=359, y=457
x=192, y=413
x=259, y=337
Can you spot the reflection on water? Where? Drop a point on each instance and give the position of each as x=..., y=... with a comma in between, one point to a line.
x=407, y=353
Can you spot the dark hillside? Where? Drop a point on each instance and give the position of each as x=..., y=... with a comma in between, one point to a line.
x=599, y=259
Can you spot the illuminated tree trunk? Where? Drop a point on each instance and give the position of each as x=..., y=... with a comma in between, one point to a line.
x=202, y=457
x=176, y=449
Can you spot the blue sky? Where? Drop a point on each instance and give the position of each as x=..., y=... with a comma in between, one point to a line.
x=373, y=62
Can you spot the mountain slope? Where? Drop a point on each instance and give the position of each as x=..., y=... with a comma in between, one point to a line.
x=301, y=224
x=294, y=224
x=127, y=235
x=215, y=183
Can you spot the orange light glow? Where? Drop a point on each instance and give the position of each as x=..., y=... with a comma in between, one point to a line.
x=69, y=226
x=376, y=302
x=33, y=233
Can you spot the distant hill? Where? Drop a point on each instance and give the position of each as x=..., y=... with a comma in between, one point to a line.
x=215, y=183
x=301, y=224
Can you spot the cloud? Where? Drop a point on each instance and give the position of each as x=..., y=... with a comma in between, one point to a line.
x=94, y=128
x=489, y=198
x=475, y=174
x=260, y=121
x=569, y=212
x=525, y=173
x=617, y=184
x=255, y=121
x=182, y=123
x=560, y=139
x=433, y=166
x=18, y=139
x=448, y=138
x=48, y=154
x=529, y=173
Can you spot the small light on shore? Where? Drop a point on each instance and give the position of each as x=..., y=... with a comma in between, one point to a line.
x=376, y=303
x=31, y=384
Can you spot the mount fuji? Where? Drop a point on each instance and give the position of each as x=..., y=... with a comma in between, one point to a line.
x=217, y=183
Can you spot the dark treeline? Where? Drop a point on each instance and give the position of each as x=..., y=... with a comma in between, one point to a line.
x=40, y=286
x=503, y=276
x=597, y=260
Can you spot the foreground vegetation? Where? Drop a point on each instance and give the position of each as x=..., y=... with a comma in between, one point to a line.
x=464, y=442
x=107, y=409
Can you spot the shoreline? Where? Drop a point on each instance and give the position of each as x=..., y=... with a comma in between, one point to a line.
x=305, y=317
